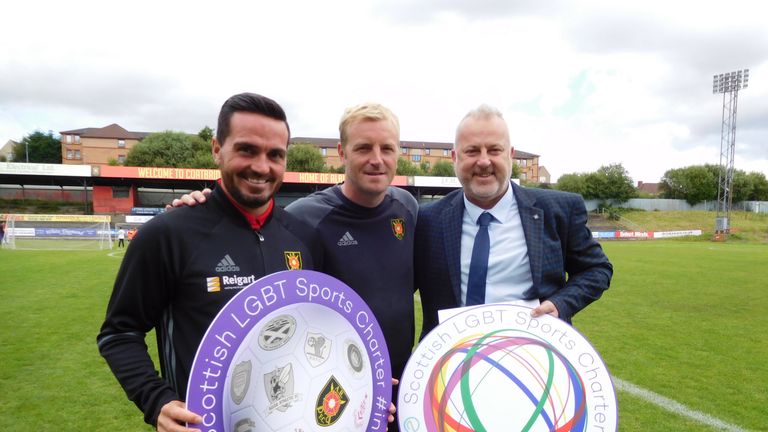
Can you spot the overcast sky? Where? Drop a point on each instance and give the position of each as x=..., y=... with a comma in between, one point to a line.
x=581, y=83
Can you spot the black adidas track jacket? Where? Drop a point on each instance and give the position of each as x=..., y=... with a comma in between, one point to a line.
x=179, y=271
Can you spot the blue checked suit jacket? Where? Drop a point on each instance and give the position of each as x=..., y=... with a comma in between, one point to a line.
x=568, y=266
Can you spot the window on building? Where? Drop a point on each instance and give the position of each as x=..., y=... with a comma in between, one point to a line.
x=121, y=143
x=523, y=176
x=522, y=162
x=121, y=159
x=324, y=151
x=404, y=150
x=77, y=139
x=69, y=154
x=426, y=152
x=77, y=154
x=120, y=192
x=416, y=158
x=69, y=139
x=446, y=153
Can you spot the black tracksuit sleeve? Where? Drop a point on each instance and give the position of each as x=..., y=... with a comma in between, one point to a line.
x=136, y=306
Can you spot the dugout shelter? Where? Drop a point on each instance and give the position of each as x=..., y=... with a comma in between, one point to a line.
x=118, y=189
x=119, y=192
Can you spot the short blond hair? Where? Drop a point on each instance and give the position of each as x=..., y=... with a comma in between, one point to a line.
x=369, y=111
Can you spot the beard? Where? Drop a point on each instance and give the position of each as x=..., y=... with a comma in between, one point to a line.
x=245, y=201
x=251, y=202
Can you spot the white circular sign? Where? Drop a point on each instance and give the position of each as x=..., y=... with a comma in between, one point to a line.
x=494, y=367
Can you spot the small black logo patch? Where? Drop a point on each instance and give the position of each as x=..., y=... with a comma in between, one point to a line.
x=331, y=403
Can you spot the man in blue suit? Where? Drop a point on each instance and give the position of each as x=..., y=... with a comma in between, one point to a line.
x=539, y=245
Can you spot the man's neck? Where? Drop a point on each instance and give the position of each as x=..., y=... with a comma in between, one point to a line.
x=362, y=199
x=489, y=203
x=256, y=217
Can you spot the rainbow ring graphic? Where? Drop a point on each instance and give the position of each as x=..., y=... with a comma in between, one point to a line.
x=534, y=375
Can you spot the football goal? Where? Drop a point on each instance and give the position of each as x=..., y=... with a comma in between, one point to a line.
x=57, y=232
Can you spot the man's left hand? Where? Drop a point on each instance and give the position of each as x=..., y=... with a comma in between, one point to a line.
x=392, y=408
x=545, y=308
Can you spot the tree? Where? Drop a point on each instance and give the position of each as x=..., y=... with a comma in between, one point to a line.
x=43, y=148
x=206, y=134
x=443, y=169
x=671, y=186
x=305, y=158
x=694, y=183
x=699, y=183
x=572, y=183
x=516, y=170
x=610, y=182
x=406, y=168
x=202, y=159
x=742, y=186
x=759, y=186
x=594, y=186
x=171, y=149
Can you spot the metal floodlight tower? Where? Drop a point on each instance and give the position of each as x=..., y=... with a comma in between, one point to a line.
x=728, y=84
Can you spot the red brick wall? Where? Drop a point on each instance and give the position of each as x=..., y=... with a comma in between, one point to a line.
x=104, y=202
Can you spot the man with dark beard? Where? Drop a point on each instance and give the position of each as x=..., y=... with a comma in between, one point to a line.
x=185, y=265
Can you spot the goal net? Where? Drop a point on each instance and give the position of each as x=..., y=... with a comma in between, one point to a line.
x=57, y=232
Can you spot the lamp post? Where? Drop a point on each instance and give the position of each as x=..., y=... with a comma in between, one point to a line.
x=728, y=84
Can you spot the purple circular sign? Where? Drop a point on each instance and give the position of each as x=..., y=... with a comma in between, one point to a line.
x=296, y=350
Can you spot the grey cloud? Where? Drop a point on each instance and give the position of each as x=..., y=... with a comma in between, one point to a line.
x=751, y=131
x=138, y=101
x=626, y=31
x=752, y=144
x=100, y=91
x=408, y=11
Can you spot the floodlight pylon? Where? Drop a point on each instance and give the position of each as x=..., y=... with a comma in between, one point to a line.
x=728, y=84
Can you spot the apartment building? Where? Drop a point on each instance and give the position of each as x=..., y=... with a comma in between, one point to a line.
x=6, y=151
x=429, y=153
x=97, y=146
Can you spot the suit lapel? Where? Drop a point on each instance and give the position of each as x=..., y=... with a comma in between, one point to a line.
x=532, y=219
x=452, y=224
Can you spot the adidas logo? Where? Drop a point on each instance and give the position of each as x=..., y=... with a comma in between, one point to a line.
x=227, y=265
x=347, y=240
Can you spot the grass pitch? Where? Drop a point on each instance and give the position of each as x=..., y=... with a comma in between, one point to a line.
x=685, y=320
x=52, y=376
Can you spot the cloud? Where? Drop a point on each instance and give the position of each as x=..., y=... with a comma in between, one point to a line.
x=583, y=84
x=399, y=11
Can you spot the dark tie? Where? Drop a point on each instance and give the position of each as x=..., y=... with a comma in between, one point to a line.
x=478, y=267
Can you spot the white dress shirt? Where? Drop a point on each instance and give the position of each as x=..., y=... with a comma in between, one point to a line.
x=509, y=271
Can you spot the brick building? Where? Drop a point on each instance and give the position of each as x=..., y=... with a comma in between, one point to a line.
x=97, y=146
x=418, y=152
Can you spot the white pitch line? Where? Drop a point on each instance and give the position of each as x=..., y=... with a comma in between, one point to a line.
x=674, y=406
x=116, y=253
